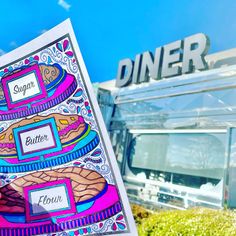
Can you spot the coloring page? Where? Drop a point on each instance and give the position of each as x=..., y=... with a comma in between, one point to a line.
x=58, y=173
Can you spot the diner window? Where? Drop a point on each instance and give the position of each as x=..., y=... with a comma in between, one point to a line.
x=195, y=159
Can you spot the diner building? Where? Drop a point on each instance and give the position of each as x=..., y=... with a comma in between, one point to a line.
x=175, y=138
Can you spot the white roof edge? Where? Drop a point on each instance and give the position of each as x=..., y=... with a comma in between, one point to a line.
x=108, y=85
x=218, y=59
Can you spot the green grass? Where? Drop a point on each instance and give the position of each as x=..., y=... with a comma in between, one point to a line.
x=191, y=222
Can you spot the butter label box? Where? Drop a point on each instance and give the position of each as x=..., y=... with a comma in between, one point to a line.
x=58, y=171
x=37, y=138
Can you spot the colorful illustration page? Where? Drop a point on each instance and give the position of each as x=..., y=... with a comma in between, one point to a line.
x=58, y=174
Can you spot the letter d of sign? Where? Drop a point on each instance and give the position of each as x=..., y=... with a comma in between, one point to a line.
x=124, y=74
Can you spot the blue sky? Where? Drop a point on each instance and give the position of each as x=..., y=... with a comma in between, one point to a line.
x=109, y=30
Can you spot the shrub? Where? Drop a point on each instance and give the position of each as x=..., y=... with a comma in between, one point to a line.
x=140, y=213
x=191, y=222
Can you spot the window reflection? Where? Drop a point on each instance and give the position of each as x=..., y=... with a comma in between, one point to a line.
x=190, y=166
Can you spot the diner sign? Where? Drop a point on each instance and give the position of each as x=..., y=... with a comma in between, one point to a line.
x=180, y=57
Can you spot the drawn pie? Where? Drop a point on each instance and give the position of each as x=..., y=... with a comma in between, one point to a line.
x=86, y=185
x=95, y=200
x=75, y=135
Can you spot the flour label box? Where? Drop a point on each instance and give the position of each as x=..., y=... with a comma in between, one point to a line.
x=58, y=173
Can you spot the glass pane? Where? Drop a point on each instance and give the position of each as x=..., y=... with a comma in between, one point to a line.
x=232, y=168
x=180, y=169
x=197, y=154
x=148, y=151
x=118, y=144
